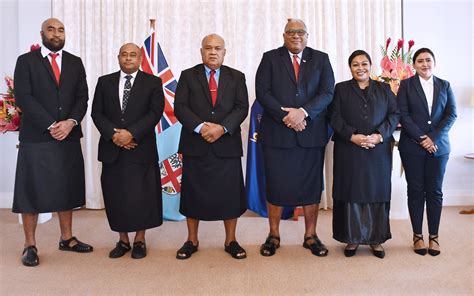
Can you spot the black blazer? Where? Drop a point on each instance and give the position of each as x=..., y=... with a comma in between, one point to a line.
x=193, y=106
x=43, y=101
x=351, y=113
x=144, y=110
x=416, y=120
x=276, y=87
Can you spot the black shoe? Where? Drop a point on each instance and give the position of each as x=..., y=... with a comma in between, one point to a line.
x=80, y=247
x=433, y=252
x=30, y=256
x=269, y=247
x=377, y=253
x=416, y=238
x=350, y=252
x=120, y=249
x=317, y=247
x=139, y=250
x=187, y=250
x=235, y=250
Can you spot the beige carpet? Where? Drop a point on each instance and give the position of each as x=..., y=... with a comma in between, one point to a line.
x=211, y=271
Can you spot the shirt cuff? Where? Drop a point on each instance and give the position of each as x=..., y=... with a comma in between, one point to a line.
x=51, y=126
x=198, y=128
x=305, y=113
x=75, y=121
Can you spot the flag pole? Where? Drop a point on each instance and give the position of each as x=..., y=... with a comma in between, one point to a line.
x=152, y=24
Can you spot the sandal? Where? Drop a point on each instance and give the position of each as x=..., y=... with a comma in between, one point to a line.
x=120, y=249
x=434, y=252
x=79, y=247
x=417, y=238
x=29, y=256
x=235, y=250
x=187, y=250
x=269, y=247
x=317, y=247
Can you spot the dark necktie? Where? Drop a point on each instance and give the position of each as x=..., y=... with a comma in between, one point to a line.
x=54, y=65
x=296, y=66
x=126, y=92
x=213, y=87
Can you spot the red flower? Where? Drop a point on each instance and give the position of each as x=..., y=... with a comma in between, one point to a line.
x=410, y=44
x=16, y=120
x=387, y=43
x=399, y=45
x=34, y=47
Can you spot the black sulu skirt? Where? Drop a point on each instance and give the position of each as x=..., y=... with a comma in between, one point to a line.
x=361, y=223
x=212, y=188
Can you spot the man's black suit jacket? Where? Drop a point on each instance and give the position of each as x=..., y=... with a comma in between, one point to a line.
x=144, y=110
x=276, y=87
x=43, y=101
x=193, y=106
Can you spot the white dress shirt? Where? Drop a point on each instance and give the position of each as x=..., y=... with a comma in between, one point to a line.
x=428, y=87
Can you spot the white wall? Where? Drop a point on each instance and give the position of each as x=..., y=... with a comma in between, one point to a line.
x=446, y=27
x=21, y=23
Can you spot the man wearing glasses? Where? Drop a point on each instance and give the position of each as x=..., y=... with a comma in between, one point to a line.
x=294, y=84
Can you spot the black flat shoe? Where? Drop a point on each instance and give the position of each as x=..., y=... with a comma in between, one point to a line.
x=235, y=250
x=377, y=253
x=120, y=249
x=417, y=238
x=434, y=252
x=79, y=247
x=350, y=252
x=269, y=247
x=139, y=250
x=317, y=247
x=29, y=256
x=187, y=250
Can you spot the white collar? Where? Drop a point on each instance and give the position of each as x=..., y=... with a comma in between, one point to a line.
x=423, y=81
x=123, y=74
x=45, y=51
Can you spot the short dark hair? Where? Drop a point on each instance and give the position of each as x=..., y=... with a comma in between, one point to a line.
x=422, y=50
x=358, y=53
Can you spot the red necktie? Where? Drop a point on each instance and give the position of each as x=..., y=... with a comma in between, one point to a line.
x=296, y=66
x=56, y=71
x=213, y=88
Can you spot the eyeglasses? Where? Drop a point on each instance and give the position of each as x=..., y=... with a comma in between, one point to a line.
x=300, y=33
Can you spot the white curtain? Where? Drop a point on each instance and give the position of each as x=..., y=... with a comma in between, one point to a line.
x=95, y=29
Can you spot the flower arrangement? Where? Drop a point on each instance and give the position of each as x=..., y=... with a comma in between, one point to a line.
x=396, y=66
x=9, y=112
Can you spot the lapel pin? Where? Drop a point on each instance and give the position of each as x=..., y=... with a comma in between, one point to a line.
x=304, y=61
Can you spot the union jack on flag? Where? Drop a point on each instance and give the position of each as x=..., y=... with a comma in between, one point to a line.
x=154, y=63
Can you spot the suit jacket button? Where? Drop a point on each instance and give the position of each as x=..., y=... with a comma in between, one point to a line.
x=60, y=108
x=429, y=121
x=122, y=120
x=212, y=112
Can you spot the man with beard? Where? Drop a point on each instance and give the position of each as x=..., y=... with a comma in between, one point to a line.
x=294, y=84
x=51, y=90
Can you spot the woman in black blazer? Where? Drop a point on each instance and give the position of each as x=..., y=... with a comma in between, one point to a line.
x=428, y=110
x=364, y=115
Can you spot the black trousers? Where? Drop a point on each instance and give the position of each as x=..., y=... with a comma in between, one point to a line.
x=424, y=175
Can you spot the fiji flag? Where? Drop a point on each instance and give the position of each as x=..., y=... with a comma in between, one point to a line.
x=255, y=176
x=167, y=130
